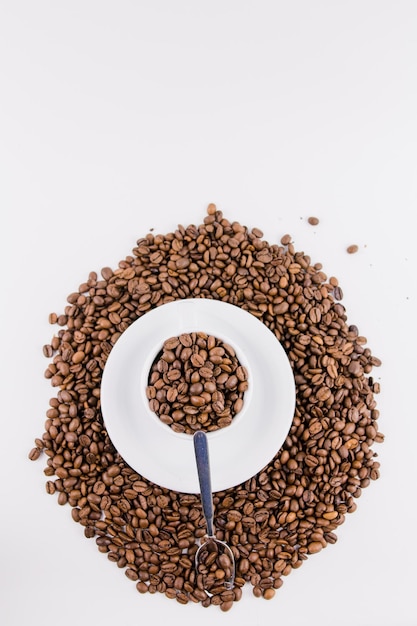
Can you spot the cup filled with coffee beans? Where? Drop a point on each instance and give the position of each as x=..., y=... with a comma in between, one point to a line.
x=196, y=383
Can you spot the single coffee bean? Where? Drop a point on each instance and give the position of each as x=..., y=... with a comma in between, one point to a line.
x=314, y=547
x=34, y=454
x=352, y=249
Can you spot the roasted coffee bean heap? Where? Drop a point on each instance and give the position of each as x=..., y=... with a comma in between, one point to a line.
x=196, y=382
x=289, y=510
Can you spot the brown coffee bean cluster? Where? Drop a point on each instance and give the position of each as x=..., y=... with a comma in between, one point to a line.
x=293, y=507
x=196, y=383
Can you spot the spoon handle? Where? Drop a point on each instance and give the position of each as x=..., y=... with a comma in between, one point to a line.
x=203, y=469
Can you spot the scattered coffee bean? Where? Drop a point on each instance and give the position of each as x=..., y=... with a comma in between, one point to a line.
x=352, y=249
x=313, y=221
x=292, y=508
x=34, y=454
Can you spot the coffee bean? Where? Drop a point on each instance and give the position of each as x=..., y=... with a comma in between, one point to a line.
x=172, y=375
x=241, y=373
x=50, y=487
x=355, y=369
x=197, y=360
x=292, y=508
x=48, y=350
x=352, y=249
x=34, y=454
x=338, y=293
x=313, y=221
x=314, y=547
x=285, y=240
x=315, y=314
x=205, y=372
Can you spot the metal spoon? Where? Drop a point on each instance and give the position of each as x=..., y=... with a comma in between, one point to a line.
x=214, y=559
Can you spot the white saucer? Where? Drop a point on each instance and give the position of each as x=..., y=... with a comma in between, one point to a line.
x=238, y=451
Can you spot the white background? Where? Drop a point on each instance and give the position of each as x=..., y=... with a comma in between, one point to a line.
x=118, y=117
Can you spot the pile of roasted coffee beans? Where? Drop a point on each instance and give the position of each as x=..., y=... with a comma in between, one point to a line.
x=196, y=383
x=288, y=511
